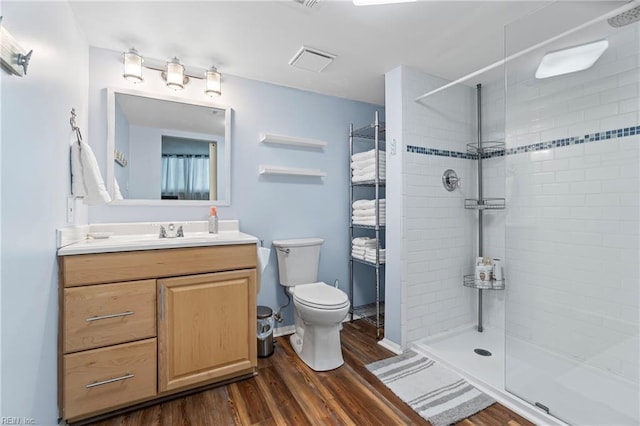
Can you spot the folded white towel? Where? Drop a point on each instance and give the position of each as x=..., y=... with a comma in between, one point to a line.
x=85, y=175
x=363, y=240
x=363, y=244
x=367, y=204
x=366, y=177
x=368, y=212
x=358, y=256
x=372, y=251
x=373, y=259
x=357, y=252
x=367, y=216
x=367, y=154
x=361, y=164
x=369, y=169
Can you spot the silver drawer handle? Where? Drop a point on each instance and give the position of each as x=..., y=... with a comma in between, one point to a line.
x=121, y=314
x=106, y=382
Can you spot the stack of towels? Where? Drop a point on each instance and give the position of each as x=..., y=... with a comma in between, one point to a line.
x=364, y=212
x=363, y=166
x=364, y=248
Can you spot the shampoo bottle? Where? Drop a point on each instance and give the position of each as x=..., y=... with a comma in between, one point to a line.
x=213, y=221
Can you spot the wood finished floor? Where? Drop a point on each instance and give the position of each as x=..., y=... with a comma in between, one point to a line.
x=287, y=392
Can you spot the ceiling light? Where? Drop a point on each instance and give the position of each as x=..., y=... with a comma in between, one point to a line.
x=376, y=2
x=132, y=66
x=577, y=58
x=212, y=82
x=175, y=75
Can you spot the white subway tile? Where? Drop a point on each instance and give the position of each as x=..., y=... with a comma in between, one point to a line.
x=602, y=111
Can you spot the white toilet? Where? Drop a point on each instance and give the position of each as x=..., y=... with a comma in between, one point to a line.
x=319, y=308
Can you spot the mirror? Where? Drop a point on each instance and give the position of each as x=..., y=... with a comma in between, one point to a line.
x=167, y=151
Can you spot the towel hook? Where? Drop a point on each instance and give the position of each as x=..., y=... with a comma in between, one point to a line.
x=74, y=125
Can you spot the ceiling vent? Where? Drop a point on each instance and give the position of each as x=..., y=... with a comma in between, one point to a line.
x=308, y=3
x=311, y=59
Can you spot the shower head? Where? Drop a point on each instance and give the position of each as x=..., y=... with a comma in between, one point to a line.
x=625, y=18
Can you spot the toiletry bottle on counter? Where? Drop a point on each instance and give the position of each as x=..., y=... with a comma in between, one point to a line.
x=213, y=221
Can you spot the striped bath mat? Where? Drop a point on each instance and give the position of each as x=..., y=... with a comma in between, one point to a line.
x=433, y=391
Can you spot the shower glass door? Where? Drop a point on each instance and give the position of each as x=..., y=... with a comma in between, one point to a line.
x=572, y=234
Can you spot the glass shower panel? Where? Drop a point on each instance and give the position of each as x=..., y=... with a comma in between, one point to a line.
x=572, y=234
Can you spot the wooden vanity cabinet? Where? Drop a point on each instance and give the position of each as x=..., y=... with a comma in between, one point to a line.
x=141, y=325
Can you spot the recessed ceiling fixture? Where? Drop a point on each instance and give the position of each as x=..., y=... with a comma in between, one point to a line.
x=375, y=2
x=565, y=61
x=311, y=59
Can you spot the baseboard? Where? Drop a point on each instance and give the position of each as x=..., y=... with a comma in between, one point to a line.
x=392, y=346
x=283, y=331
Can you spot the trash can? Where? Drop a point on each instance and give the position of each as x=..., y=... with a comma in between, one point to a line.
x=265, y=331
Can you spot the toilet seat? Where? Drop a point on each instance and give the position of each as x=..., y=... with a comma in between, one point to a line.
x=320, y=296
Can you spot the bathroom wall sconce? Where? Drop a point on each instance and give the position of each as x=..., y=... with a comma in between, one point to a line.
x=174, y=73
x=14, y=59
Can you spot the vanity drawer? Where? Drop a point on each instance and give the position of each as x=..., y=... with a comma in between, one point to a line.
x=100, y=379
x=84, y=269
x=106, y=314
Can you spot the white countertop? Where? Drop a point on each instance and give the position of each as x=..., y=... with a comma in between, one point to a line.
x=144, y=236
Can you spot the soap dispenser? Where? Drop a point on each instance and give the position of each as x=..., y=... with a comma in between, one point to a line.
x=213, y=221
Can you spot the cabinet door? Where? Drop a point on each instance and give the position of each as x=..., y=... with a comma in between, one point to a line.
x=207, y=327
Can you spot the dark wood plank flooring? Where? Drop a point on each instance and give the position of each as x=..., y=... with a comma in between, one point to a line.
x=287, y=392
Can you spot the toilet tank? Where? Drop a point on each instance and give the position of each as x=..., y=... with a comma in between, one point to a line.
x=298, y=260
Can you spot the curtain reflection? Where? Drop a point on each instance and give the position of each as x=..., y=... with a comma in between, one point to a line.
x=185, y=177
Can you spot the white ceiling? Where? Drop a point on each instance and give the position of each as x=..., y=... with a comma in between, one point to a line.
x=256, y=39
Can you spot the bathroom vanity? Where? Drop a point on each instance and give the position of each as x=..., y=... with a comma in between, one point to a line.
x=140, y=321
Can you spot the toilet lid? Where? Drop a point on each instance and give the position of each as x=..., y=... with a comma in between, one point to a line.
x=320, y=295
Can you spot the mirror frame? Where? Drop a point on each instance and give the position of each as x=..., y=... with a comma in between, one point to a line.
x=111, y=146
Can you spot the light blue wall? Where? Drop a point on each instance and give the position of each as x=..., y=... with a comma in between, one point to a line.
x=35, y=183
x=268, y=207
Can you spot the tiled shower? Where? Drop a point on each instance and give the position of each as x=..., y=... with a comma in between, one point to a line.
x=565, y=331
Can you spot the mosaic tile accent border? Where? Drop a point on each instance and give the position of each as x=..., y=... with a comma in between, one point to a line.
x=440, y=152
x=575, y=140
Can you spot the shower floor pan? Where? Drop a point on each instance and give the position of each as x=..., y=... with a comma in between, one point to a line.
x=595, y=397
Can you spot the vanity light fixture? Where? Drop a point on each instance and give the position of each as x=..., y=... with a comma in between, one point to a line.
x=212, y=82
x=173, y=73
x=132, y=66
x=565, y=61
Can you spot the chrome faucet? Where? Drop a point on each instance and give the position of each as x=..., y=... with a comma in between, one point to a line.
x=180, y=232
x=163, y=232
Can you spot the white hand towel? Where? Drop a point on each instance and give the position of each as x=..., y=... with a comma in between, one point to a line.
x=365, y=177
x=85, y=176
x=368, y=212
x=367, y=204
x=367, y=154
x=357, y=256
x=369, y=169
x=361, y=164
x=363, y=240
x=357, y=252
